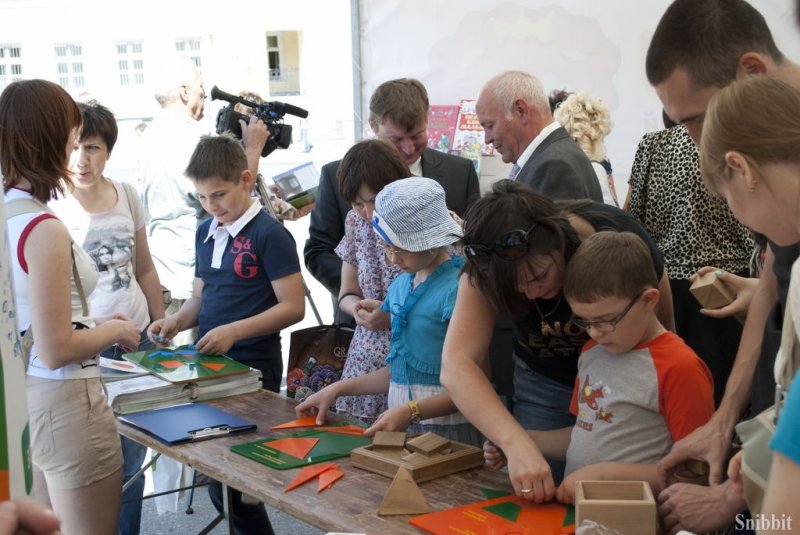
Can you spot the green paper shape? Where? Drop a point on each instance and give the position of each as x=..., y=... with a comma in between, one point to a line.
x=508, y=510
x=490, y=493
x=330, y=446
x=569, y=516
x=184, y=364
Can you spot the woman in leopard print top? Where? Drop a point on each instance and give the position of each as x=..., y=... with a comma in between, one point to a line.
x=692, y=228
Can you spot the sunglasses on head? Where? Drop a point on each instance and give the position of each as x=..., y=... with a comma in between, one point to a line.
x=510, y=246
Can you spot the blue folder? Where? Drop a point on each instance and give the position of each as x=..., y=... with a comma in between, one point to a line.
x=189, y=422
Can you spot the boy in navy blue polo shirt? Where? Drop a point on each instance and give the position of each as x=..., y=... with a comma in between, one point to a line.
x=247, y=284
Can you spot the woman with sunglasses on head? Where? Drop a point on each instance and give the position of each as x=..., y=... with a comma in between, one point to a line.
x=517, y=246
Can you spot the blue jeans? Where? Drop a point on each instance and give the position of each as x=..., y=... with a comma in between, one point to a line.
x=541, y=403
x=133, y=454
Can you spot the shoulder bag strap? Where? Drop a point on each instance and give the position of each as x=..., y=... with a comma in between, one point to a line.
x=130, y=193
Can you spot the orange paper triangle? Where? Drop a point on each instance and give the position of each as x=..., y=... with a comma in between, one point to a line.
x=306, y=421
x=343, y=430
x=296, y=447
x=328, y=478
x=171, y=363
x=308, y=473
x=216, y=366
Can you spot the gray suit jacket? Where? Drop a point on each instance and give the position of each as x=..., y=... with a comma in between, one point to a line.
x=559, y=169
x=326, y=229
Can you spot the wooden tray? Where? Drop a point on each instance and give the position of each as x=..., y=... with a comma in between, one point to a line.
x=386, y=461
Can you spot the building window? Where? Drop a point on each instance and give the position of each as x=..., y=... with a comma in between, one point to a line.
x=10, y=64
x=190, y=48
x=274, y=56
x=69, y=65
x=283, y=62
x=130, y=63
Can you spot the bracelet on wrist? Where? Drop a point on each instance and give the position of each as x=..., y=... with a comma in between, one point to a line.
x=416, y=415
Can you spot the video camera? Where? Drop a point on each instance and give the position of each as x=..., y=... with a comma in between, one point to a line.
x=280, y=135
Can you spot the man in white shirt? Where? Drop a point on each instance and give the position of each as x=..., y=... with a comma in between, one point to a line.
x=515, y=114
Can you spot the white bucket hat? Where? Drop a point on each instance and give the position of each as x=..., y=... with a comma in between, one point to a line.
x=411, y=214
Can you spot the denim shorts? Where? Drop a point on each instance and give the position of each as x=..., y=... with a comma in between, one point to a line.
x=74, y=439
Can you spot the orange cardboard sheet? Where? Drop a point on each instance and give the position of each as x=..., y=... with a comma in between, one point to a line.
x=328, y=478
x=532, y=519
x=343, y=430
x=296, y=447
x=306, y=421
x=308, y=473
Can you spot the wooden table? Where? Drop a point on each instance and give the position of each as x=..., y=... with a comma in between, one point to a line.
x=349, y=506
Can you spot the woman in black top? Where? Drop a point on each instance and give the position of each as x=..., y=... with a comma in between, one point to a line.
x=517, y=244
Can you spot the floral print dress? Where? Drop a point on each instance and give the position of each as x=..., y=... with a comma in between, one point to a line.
x=361, y=248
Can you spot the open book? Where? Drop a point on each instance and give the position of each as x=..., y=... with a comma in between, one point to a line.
x=138, y=394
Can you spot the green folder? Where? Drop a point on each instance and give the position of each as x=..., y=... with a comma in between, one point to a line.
x=185, y=364
x=330, y=446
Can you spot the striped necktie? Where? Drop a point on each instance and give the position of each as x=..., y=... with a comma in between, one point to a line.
x=514, y=172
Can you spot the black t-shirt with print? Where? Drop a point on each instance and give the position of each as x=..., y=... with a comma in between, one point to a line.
x=555, y=352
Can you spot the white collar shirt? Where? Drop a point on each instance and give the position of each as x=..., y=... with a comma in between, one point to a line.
x=528, y=152
x=221, y=233
x=416, y=167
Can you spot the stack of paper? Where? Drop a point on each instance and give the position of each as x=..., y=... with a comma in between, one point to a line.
x=116, y=370
x=138, y=394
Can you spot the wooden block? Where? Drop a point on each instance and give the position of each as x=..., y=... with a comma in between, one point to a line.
x=386, y=461
x=711, y=292
x=389, y=439
x=417, y=458
x=403, y=497
x=428, y=443
x=626, y=506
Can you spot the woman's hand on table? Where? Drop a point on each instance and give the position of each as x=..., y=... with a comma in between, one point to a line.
x=395, y=419
x=529, y=472
x=317, y=404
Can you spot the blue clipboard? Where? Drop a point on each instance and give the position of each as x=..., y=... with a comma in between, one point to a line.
x=190, y=422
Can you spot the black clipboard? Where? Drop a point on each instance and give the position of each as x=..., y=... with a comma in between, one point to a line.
x=190, y=422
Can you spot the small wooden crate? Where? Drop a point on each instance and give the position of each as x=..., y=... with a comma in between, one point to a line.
x=626, y=506
x=422, y=468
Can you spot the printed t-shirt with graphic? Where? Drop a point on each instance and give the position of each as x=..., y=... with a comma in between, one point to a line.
x=109, y=239
x=631, y=407
x=553, y=351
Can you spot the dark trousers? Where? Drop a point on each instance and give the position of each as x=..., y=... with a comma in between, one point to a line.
x=248, y=518
x=714, y=340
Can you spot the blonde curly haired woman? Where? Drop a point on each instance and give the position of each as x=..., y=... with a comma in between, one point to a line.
x=587, y=120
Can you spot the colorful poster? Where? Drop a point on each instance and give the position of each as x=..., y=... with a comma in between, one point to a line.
x=442, y=120
x=15, y=462
x=469, y=141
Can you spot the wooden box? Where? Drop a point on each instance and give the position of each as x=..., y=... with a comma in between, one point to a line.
x=711, y=292
x=421, y=467
x=626, y=506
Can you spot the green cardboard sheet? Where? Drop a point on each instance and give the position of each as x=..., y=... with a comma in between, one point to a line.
x=184, y=364
x=330, y=446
